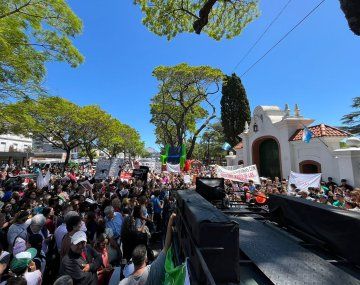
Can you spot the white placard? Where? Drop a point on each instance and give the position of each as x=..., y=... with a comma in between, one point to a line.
x=304, y=181
x=175, y=168
x=187, y=179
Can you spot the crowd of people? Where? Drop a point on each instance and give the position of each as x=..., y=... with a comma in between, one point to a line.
x=330, y=193
x=74, y=229
x=70, y=228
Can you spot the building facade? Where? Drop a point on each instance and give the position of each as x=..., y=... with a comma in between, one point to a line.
x=15, y=149
x=273, y=141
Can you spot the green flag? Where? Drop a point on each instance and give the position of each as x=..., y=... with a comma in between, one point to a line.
x=173, y=275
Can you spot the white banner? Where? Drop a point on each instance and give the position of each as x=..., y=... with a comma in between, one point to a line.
x=175, y=168
x=304, y=181
x=243, y=174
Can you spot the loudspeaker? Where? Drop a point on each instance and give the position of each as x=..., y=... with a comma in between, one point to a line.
x=216, y=236
x=211, y=188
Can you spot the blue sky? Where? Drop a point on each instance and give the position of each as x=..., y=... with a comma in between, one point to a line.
x=316, y=66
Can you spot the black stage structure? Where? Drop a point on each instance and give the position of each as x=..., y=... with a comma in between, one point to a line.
x=247, y=245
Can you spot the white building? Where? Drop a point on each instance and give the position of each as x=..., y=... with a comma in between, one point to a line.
x=273, y=141
x=14, y=149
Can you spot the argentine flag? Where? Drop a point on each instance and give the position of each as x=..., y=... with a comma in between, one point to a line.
x=307, y=135
x=226, y=146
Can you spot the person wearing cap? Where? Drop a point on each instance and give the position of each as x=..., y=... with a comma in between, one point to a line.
x=82, y=261
x=24, y=266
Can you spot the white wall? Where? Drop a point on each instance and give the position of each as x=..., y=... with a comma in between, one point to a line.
x=315, y=150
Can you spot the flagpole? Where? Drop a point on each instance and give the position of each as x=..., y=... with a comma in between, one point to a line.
x=317, y=137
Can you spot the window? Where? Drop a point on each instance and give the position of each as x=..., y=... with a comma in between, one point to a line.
x=3, y=146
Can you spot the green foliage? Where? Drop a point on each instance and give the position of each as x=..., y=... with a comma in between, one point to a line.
x=33, y=32
x=217, y=18
x=117, y=138
x=352, y=120
x=211, y=142
x=235, y=108
x=178, y=106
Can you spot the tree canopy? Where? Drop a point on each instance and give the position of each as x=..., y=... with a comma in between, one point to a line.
x=53, y=119
x=33, y=32
x=235, y=108
x=66, y=126
x=179, y=106
x=217, y=18
x=352, y=120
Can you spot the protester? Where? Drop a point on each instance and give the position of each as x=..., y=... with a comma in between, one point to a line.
x=149, y=274
x=82, y=261
x=84, y=234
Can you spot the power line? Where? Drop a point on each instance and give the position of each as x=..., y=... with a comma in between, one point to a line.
x=262, y=35
x=285, y=36
x=278, y=42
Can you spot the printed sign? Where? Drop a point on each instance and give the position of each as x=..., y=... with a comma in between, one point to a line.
x=102, y=168
x=243, y=174
x=115, y=166
x=304, y=181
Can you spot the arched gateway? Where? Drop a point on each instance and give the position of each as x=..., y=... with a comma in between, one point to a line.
x=266, y=156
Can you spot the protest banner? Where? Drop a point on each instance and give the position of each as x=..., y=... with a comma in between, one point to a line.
x=243, y=174
x=125, y=175
x=304, y=181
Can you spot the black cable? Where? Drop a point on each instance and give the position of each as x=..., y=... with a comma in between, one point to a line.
x=262, y=35
x=278, y=42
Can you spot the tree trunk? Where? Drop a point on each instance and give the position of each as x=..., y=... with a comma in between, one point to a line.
x=193, y=141
x=67, y=158
x=89, y=154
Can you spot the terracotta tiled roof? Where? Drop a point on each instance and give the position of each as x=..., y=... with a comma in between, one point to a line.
x=239, y=146
x=320, y=131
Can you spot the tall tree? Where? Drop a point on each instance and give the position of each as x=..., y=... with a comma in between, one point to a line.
x=217, y=18
x=179, y=104
x=33, y=32
x=352, y=120
x=235, y=108
x=96, y=121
